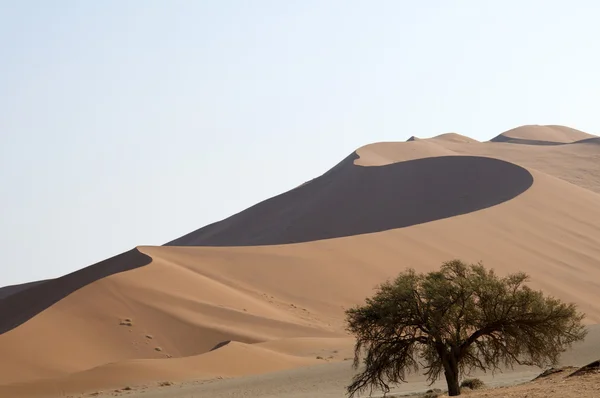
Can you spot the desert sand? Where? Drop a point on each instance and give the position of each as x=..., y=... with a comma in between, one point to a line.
x=255, y=302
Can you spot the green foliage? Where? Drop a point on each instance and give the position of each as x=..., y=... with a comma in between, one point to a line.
x=473, y=384
x=459, y=318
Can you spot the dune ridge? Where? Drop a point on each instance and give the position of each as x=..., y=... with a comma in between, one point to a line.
x=455, y=137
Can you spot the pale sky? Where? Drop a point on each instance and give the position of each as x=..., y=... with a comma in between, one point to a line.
x=126, y=123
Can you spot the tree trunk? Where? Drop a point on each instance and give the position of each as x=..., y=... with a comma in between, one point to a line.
x=451, y=373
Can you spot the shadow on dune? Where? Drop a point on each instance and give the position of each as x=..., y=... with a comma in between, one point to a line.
x=28, y=300
x=221, y=344
x=594, y=140
x=352, y=200
x=521, y=141
x=12, y=289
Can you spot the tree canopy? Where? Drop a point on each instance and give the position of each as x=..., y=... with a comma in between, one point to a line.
x=460, y=318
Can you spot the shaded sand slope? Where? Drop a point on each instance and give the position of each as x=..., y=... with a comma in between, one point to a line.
x=542, y=135
x=594, y=140
x=352, y=200
x=22, y=302
x=577, y=162
x=12, y=289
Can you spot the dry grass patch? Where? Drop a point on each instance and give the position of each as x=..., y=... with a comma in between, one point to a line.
x=165, y=383
x=472, y=384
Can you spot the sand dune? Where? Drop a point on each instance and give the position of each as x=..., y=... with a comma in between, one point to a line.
x=233, y=359
x=193, y=308
x=542, y=135
x=455, y=137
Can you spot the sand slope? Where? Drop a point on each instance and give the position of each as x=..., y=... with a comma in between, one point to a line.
x=389, y=206
x=22, y=302
x=233, y=359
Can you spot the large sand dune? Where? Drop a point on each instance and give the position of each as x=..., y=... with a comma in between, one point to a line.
x=274, y=279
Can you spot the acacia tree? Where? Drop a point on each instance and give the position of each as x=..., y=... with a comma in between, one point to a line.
x=454, y=320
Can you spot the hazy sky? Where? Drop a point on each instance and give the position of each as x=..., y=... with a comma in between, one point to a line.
x=126, y=123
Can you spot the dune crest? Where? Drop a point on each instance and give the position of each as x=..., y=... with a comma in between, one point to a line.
x=454, y=137
x=384, y=153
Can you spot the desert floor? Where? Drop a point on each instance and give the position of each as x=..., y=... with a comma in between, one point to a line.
x=328, y=381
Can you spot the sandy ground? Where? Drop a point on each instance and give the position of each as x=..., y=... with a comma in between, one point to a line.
x=327, y=382
x=330, y=379
x=322, y=381
x=587, y=386
x=269, y=319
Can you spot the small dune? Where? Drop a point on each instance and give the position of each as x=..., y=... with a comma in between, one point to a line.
x=230, y=360
x=542, y=135
x=454, y=137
